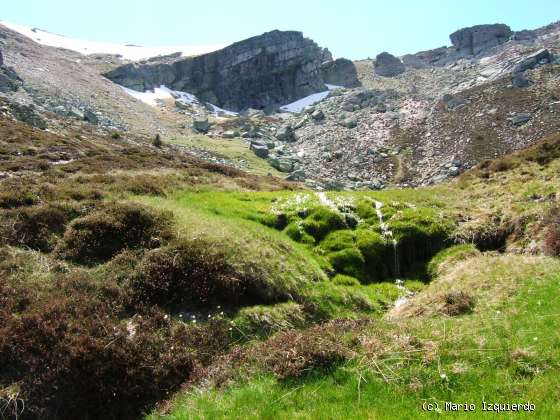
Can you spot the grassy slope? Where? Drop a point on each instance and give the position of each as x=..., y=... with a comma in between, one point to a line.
x=235, y=150
x=507, y=351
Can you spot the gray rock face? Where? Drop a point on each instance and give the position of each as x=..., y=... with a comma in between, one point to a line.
x=264, y=71
x=533, y=60
x=388, y=65
x=9, y=80
x=340, y=72
x=476, y=39
x=425, y=59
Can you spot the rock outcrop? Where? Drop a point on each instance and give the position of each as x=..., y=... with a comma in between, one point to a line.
x=264, y=71
x=340, y=72
x=476, y=39
x=388, y=65
x=9, y=80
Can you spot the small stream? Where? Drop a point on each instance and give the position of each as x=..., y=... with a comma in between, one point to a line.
x=388, y=235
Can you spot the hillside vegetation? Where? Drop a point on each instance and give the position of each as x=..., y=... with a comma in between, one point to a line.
x=138, y=280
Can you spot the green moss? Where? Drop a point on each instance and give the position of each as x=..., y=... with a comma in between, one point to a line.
x=296, y=232
x=377, y=255
x=338, y=240
x=349, y=261
x=450, y=256
x=321, y=221
x=343, y=280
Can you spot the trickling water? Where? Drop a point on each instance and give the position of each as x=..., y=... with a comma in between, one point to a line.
x=324, y=200
x=387, y=233
x=396, y=256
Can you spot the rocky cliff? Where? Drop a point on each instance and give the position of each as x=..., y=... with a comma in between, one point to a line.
x=267, y=70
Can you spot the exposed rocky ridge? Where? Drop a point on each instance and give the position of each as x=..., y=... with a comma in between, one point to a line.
x=267, y=70
x=474, y=40
x=68, y=84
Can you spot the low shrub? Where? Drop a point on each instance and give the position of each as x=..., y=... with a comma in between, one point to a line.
x=37, y=227
x=17, y=198
x=551, y=242
x=458, y=303
x=73, y=359
x=191, y=273
x=292, y=354
x=102, y=234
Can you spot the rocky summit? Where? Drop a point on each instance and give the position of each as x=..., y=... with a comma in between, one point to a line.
x=260, y=72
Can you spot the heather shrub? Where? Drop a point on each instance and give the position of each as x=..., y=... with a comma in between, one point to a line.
x=292, y=354
x=551, y=243
x=102, y=234
x=191, y=273
x=37, y=227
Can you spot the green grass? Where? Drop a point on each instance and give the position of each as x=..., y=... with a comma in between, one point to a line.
x=236, y=150
x=507, y=351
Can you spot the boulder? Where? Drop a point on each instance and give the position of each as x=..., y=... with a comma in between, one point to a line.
x=318, y=115
x=520, y=81
x=453, y=101
x=282, y=164
x=260, y=150
x=476, y=39
x=230, y=134
x=9, y=80
x=388, y=65
x=533, y=60
x=201, y=125
x=520, y=119
x=285, y=133
x=423, y=59
x=298, y=175
x=340, y=72
x=350, y=122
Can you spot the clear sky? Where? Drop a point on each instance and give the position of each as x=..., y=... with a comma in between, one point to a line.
x=349, y=28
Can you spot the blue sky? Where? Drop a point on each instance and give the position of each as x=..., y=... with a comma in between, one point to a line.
x=349, y=28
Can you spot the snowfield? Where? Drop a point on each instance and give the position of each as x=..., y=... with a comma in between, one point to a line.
x=129, y=52
x=151, y=97
x=302, y=103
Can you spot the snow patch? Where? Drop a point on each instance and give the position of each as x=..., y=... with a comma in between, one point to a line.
x=302, y=103
x=152, y=98
x=129, y=52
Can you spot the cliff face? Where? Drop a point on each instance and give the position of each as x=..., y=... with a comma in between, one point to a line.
x=267, y=70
